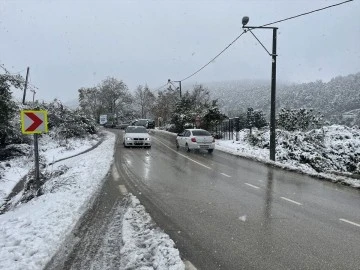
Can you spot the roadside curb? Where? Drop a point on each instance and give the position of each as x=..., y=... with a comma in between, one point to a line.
x=341, y=178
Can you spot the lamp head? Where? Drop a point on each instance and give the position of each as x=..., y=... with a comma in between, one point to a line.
x=245, y=20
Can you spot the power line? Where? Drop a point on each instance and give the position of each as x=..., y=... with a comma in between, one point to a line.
x=307, y=13
x=11, y=73
x=204, y=66
x=30, y=85
x=161, y=87
x=6, y=71
x=286, y=19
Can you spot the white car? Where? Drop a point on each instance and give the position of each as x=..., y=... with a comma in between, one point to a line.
x=195, y=139
x=136, y=136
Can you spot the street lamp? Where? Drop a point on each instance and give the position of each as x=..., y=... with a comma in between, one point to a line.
x=34, y=92
x=170, y=81
x=245, y=20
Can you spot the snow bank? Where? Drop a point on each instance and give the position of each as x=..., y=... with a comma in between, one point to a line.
x=145, y=246
x=31, y=234
x=11, y=171
x=322, y=152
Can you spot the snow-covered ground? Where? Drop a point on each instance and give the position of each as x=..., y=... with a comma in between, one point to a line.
x=50, y=150
x=31, y=233
x=324, y=153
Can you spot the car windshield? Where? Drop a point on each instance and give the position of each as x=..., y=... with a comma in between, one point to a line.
x=141, y=122
x=136, y=130
x=200, y=133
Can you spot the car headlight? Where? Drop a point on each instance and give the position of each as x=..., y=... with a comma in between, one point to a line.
x=147, y=139
x=127, y=138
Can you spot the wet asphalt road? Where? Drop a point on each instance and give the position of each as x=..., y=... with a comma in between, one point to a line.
x=226, y=212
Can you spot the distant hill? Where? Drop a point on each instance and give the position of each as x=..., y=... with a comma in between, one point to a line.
x=338, y=99
x=72, y=104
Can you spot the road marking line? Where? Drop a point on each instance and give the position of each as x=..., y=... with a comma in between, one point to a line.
x=350, y=222
x=189, y=266
x=183, y=155
x=115, y=173
x=250, y=185
x=224, y=174
x=123, y=189
x=286, y=199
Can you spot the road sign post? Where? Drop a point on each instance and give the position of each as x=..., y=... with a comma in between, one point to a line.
x=103, y=119
x=34, y=122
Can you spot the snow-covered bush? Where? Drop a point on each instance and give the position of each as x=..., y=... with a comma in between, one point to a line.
x=299, y=119
x=331, y=148
x=65, y=123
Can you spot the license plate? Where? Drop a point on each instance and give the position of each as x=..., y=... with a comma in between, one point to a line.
x=204, y=146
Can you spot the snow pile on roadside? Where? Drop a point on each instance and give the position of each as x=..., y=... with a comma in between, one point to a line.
x=145, y=246
x=31, y=234
x=319, y=152
x=54, y=149
x=11, y=171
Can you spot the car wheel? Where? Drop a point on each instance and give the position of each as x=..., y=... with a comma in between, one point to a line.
x=210, y=150
x=187, y=148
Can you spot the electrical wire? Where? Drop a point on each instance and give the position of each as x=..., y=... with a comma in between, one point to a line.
x=6, y=71
x=286, y=19
x=307, y=13
x=161, y=87
x=30, y=86
x=204, y=66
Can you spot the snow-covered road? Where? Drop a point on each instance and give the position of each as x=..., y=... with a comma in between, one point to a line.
x=32, y=233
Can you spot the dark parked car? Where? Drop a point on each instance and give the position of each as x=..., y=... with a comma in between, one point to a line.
x=151, y=124
x=109, y=125
x=123, y=125
x=147, y=123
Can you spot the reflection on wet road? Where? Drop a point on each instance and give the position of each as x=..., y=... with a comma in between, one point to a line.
x=226, y=212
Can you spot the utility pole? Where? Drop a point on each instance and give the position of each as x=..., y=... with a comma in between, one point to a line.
x=169, y=81
x=34, y=92
x=273, y=99
x=273, y=55
x=180, y=87
x=26, y=83
x=36, y=138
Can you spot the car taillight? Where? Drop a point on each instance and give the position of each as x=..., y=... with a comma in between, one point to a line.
x=193, y=139
x=213, y=139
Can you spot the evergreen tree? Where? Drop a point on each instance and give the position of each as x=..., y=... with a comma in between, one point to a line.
x=250, y=119
x=7, y=106
x=213, y=116
x=259, y=119
x=299, y=119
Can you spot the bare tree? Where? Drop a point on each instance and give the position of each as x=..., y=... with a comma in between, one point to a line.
x=200, y=97
x=114, y=96
x=89, y=101
x=110, y=97
x=145, y=99
x=165, y=104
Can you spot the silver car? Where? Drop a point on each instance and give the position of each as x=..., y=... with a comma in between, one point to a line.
x=136, y=136
x=195, y=139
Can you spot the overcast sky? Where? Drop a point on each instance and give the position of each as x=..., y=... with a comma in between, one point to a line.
x=73, y=44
